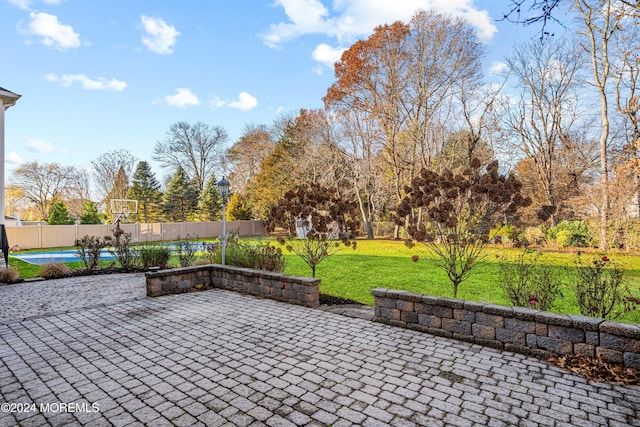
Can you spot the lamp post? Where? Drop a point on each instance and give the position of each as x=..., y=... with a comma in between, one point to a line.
x=223, y=187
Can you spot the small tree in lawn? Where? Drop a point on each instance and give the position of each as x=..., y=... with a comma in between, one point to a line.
x=453, y=213
x=321, y=213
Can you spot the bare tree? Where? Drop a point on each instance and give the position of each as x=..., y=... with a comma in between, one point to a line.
x=528, y=12
x=402, y=77
x=358, y=143
x=544, y=118
x=43, y=184
x=106, y=168
x=196, y=148
x=627, y=74
x=248, y=153
x=79, y=191
x=601, y=20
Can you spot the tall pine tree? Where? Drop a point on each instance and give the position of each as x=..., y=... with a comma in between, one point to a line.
x=60, y=215
x=145, y=188
x=209, y=203
x=118, y=191
x=180, y=199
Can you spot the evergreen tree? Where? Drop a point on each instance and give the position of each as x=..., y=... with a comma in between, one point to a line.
x=180, y=199
x=239, y=208
x=146, y=189
x=119, y=190
x=209, y=203
x=60, y=215
x=89, y=214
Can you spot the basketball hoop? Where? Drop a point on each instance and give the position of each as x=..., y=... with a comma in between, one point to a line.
x=122, y=208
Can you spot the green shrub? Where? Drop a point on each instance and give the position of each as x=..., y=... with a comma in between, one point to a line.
x=9, y=275
x=154, y=255
x=571, y=233
x=258, y=256
x=55, y=270
x=601, y=289
x=186, y=250
x=535, y=236
x=508, y=234
x=89, y=250
x=527, y=283
x=122, y=249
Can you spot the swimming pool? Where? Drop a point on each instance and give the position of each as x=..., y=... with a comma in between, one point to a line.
x=68, y=255
x=71, y=255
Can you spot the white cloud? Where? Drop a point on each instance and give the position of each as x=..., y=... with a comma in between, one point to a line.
x=100, y=83
x=352, y=19
x=12, y=160
x=498, y=68
x=183, y=98
x=160, y=37
x=41, y=146
x=22, y=4
x=26, y=4
x=216, y=102
x=306, y=16
x=327, y=55
x=245, y=102
x=52, y=33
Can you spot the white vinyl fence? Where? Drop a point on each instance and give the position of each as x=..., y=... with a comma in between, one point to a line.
x=51, y=236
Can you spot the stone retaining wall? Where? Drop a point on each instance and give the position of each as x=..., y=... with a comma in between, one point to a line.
x=517, y=329
x=290, y=289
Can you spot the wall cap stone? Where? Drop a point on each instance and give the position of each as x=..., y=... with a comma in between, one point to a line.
x=586, y=323
x=524, y=313
x=622, y=329
x=473, y=306
x=379, y=292
x=498, y=310
x=553, y=318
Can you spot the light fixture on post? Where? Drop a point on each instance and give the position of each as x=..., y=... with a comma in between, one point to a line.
x=223, y=188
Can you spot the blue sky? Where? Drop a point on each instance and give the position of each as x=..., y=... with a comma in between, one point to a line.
x=96, y=76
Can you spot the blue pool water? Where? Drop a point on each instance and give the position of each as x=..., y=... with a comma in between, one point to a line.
x=69, y=255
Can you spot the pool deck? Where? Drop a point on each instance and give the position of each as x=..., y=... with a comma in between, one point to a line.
x=96, y=351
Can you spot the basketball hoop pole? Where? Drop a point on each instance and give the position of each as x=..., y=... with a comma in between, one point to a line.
x=118, y=231
x=122, y=208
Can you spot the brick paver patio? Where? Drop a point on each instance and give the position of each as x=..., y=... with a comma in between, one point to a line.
x=95, y=351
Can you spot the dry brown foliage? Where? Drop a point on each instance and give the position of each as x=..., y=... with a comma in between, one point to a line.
x=592, y=369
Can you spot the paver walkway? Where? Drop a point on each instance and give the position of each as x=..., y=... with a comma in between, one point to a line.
x=218, y=358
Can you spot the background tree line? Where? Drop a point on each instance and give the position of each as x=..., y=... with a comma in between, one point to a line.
x=63, y=194
x=563, y=118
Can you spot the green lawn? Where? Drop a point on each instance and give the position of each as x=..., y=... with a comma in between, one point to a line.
x=387, y=264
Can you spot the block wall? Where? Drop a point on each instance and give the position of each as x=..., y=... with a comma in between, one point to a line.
x=516, y=329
